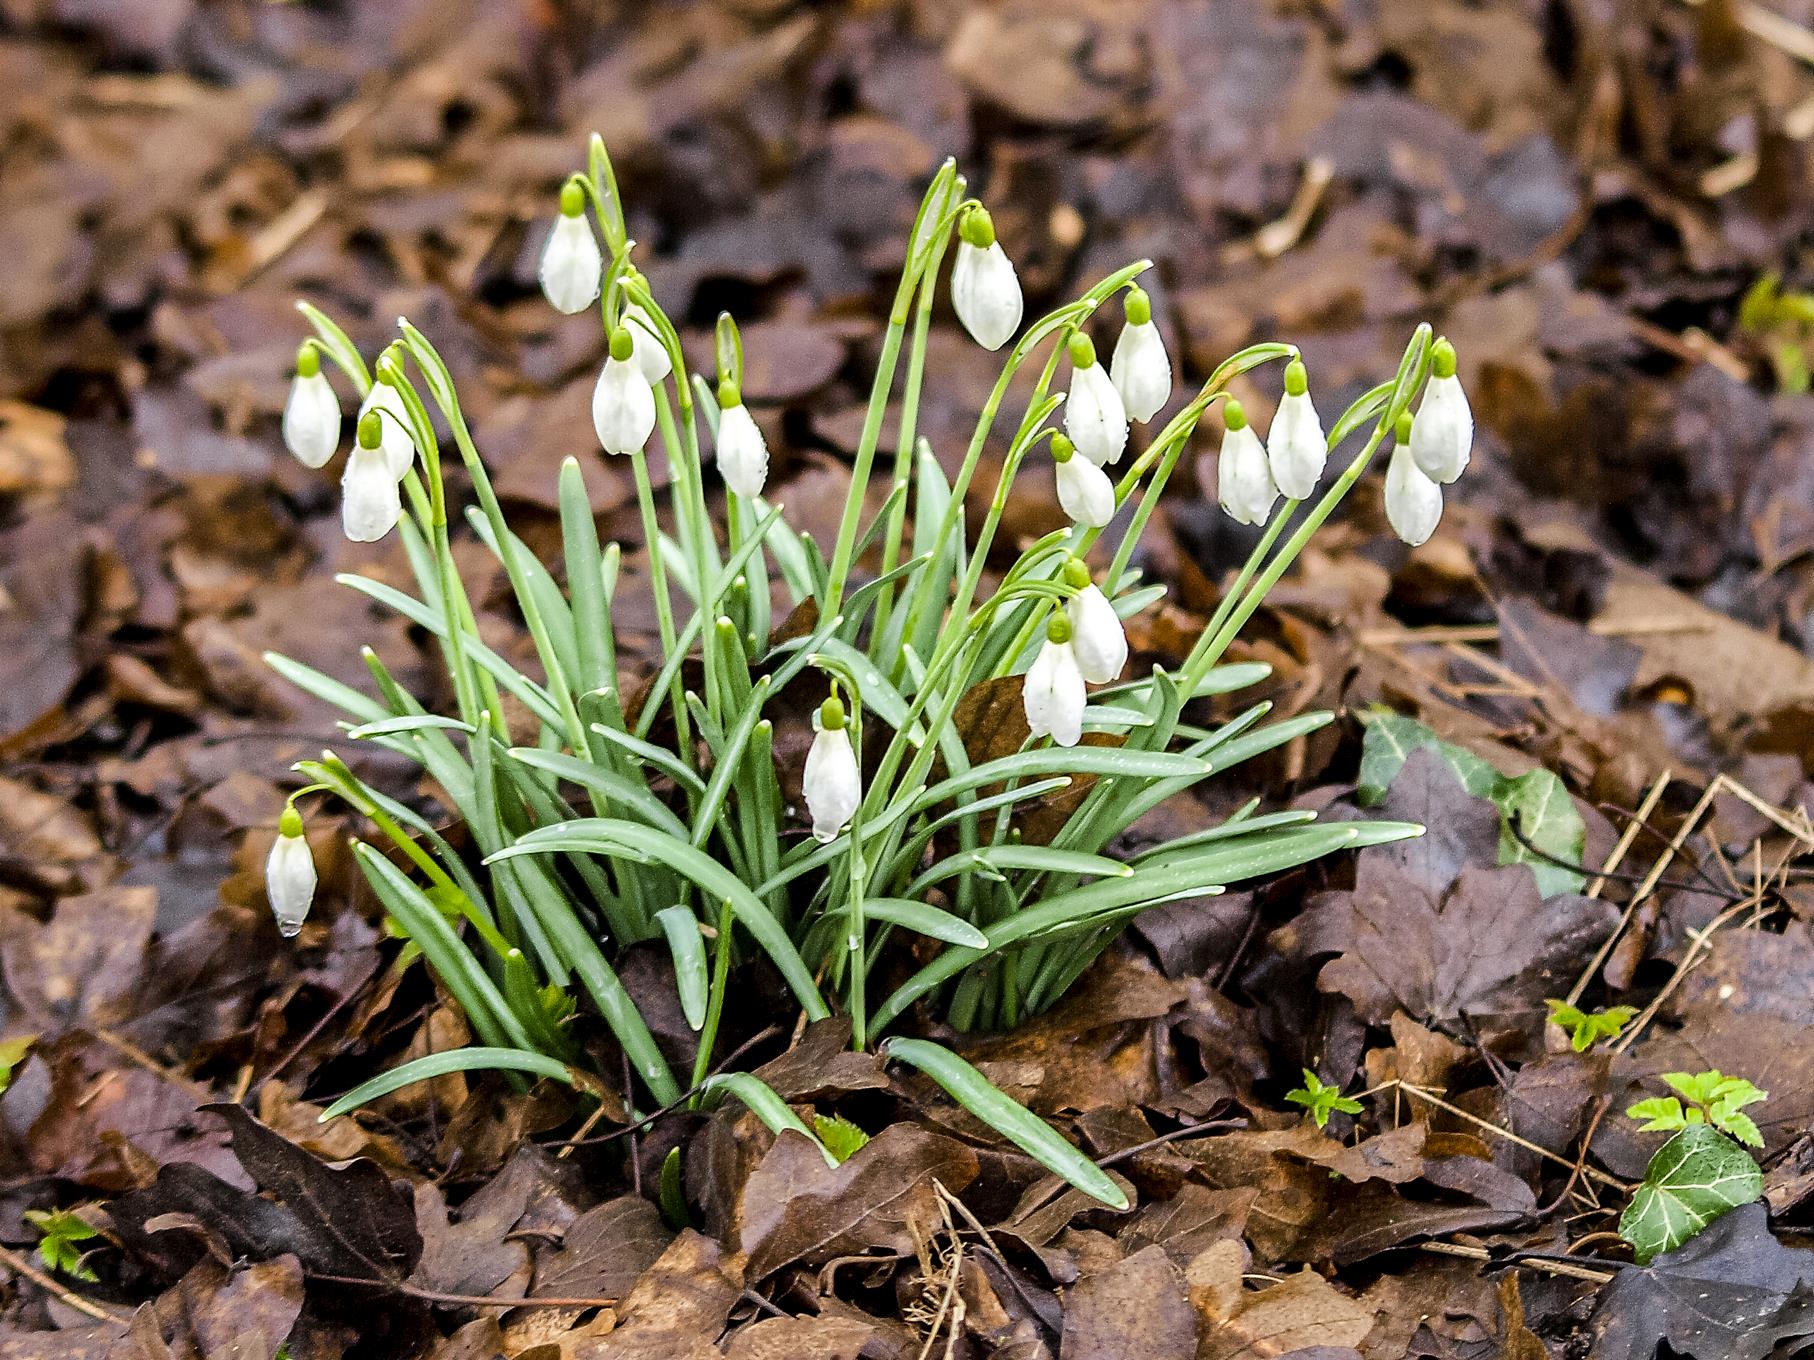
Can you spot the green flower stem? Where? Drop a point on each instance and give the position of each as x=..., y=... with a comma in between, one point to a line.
x=866, y=449
x=721, y=973
x=664, y=604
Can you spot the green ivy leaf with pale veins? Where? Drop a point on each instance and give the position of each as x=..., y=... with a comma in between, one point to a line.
x=1694, y=1178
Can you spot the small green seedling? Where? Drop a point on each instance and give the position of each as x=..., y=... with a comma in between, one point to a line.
x=1711, y=1098
x=12, y=1053
x=1782, y=321
x=1587, y=1028
x=842, y=1138
x=59, y=1233
x=1321, y=1101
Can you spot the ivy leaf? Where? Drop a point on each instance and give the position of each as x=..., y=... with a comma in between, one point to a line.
x=1694, y=1178
x=1539, y=808
x=1389, y=741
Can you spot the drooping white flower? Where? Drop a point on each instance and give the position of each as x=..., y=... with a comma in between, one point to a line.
x=1093, y=414
x=1097, y=638
x=311, y=415
x=742, y=452
x=1053, y=692
x=572, y=266
x=387, y=402
x=1296, y=447
x=369, y=502
x=1141, y=370
x=623, y=403
x=1085, y=492
x=1413, y=501
x=1244, y=482
x=290, y=875
x=1442, y=434
x=651, y=355
x=985, y=291
x=833, y=784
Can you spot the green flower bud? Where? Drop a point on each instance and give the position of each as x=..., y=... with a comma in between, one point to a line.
x=975, y=227
x=831, y=714
x=1138, y=307
x=1233, y=416
x=1058, y=627
x=623, y=344
x=573, y=199
x=371, y=430
x=1297, y=378
x=1403, y=429
x=1442, y=359
x=728, y=395
x=290, y=824
x=1082, y=350
x=308, y=360
x=1076, y=573
x=1062, y=448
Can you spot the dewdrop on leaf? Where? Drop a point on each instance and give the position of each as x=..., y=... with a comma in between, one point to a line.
x=571, y=266
x=311, y=415
x=623, y=403
x=742, y=452
x=1093, y=414
x=1097, y=638
x=1053, y=692
x=985, y=291
x=833, y=784
x=1296, y=447
x=1141, y=370
x=1442, y=433
x=1413, y=500
x=370, y=505
x=1085, y=492
x=1244, y=482
x=290, y=875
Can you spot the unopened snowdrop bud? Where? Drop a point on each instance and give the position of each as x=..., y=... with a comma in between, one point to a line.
x=1141, y=371
x=623, y=403
x=1085, y=492
x=742, y=452
x=1442, y=435
x=984, y=288
x=651, y=355
x=834, y=785
x=1053, y=692
x=386, y=402
x=1097, y=639
x=290, y=875
x=1093, y=414
x=1296, y=448
x=1413, y=501
x=1244, y=482
x=369, y=503
x=311, y=416
x=571, y=263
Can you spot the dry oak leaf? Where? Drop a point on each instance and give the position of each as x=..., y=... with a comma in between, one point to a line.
x=1302, y=1311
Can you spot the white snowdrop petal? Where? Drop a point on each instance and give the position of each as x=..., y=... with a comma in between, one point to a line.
x=1053, y=694
x=742, y=452
x=985, y=292
x=1097, y=638
x=572, y=265
x=290, y=882
x=1094, y=417
x=311, y=420
x=1142, y=371
x=369, y=502
x=1244, y=482
x=623, y=407
x=1085, y=493
x=1296, y=447
x=833, y=785
x=1442, y=432
x=1413, y=500
x=650, y=354
x=399, y=449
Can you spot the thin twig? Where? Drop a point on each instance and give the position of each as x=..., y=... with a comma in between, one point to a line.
x=1430, y=1097
x=459, y=1300
x=1549, y=1267
x=25, y=1269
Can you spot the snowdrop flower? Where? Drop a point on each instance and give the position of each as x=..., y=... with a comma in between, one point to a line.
x=1053, y=690
x=742, y=452
x=1097, y=639
x=1413, y=500
x=369, y=503
x=290, y=875
x=984, y=288
x=385, y=401
x=311, y=416
x=571, y=265
x=1244, y=482
x=1442, y=435
x=1140, y=370
x=623, y=403
x=1093, y=415
x=1085, y=492
x=1296, y=447
x=651, y=355
x=834, y=784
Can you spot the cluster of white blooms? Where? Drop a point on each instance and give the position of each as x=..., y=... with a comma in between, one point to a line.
x=1084, y=643
x=1432, y=450
x=382, y=454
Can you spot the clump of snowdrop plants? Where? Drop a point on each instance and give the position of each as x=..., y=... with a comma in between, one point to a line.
x=625, y=809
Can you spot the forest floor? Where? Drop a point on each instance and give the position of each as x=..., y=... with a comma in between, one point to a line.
x=1621, y=593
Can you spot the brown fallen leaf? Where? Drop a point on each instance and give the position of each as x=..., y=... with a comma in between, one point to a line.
x=1302, y=1311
